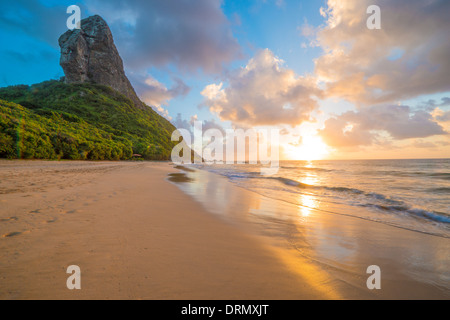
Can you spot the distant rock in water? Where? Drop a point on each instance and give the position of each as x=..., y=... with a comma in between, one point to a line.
x=90, y=55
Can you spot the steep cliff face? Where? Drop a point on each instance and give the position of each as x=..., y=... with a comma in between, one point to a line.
x=90, y=55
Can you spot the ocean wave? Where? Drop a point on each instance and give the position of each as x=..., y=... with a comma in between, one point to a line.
x=394, y=208
x=441, y=175
x=440, y=190
x=436, y=216
x=416, y=202
x=385, y=204
x=294, y=183
x=344, y=189
x=384, y=198
x=306, y=168
x=433, y=216
x=436, y=175
x=291, y=182
x=236, y=174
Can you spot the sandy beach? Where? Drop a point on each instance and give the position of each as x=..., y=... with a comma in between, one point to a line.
x=136, y=235
x=133, y=234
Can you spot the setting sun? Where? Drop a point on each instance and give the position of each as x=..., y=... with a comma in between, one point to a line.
x=311, y=148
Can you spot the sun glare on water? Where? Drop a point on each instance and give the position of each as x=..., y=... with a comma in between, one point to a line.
x=312, y=148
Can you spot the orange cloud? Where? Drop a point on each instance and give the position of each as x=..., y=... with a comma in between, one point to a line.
x=263, y=92
x=408, y=57
x=379, y=124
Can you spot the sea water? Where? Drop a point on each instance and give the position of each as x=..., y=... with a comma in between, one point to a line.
x=409, y=194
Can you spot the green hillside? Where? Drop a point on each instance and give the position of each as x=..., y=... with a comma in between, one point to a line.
x=54, y=120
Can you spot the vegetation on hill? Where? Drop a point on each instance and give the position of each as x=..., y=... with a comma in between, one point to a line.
x=54, y=120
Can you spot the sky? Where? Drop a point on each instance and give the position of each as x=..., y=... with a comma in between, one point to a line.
x=312, y=69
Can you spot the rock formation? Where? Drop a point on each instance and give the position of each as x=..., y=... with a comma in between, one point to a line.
x=90, y=55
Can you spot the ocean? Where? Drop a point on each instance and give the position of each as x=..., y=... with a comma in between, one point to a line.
x=408, y=194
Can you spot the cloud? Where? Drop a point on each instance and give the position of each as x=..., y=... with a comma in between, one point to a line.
x=284, y=132
x=154, y=93
x=309, y=32
x=424, y=144
x=442, y=116
x=432, y=104
x=189, y=34
x=430, y=145
x=264, y=92
x=370, y=126
x=297, y=143
x=181, y=123
x=408, y=57
x=212, y=124
x=163, y=112
x=443, y=143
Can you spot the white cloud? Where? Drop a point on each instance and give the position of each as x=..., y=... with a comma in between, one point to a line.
x=408, y=57
x=156, y=94
x=372, y=125
x=163, y=112
x=264, y=92
x=181, y=123
x=189, y=34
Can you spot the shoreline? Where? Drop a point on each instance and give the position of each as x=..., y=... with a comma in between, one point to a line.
x=136, y=235
x=340, y=245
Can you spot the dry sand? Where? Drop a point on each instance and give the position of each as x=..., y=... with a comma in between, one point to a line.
x=133, y=234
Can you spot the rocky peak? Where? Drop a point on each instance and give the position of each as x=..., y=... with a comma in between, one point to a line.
x=90, y=55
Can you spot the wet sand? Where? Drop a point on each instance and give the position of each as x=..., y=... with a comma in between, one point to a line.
x=136, y=235
x=331, y=251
